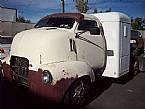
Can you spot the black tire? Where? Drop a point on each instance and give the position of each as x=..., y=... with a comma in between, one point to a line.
x=78, y=93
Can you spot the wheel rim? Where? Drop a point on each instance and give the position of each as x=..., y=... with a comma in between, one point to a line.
x=79, y=93
x=136, y=67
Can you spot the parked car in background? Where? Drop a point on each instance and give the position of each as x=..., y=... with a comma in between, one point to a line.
x=136, y=51
x=5, y=45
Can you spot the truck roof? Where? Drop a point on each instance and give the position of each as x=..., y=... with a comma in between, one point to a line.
x=76, y=16
x=112, y=16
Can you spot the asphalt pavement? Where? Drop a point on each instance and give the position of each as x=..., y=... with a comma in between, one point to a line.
x=128, y=95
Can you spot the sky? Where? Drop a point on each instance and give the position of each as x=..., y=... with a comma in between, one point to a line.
x=36, y=9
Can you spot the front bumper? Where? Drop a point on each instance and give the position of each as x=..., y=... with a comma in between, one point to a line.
x=53, y=93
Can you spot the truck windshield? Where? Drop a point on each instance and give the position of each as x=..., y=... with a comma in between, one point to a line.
x=56, y=22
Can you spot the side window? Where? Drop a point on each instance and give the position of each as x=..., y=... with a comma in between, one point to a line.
x=125, y=31
x=87, y=24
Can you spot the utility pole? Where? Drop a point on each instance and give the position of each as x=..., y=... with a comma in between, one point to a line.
x=62, y=5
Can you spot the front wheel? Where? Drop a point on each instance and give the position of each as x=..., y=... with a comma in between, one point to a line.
x=77, y=94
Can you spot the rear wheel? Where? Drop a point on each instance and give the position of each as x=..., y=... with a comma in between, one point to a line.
x=134, y=66
x=77, y=94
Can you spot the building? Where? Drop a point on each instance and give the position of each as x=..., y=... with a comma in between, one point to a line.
x=8, y=14
x=8, y=24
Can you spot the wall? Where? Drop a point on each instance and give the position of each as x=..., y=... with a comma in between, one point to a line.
x=11, y=28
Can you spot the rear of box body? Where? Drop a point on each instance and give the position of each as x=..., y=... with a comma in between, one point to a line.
x=117, y=33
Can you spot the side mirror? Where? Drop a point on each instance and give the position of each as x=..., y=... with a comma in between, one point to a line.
x=94, y=31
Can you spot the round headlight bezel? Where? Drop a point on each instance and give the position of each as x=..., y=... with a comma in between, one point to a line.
x=46, y=77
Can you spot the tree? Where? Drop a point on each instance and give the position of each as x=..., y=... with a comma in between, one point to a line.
x=23, y=20
x=95, y=10
x=138, y=23
x=108, y=10
x=81, y=5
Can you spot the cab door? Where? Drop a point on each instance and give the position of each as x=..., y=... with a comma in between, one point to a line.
x=90, y=44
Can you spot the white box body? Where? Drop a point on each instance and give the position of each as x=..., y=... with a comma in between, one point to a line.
x=117, y=33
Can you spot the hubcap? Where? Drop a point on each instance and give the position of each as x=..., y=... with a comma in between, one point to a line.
x=136, y=68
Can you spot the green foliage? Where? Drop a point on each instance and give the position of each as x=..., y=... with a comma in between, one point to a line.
x=138, y=23
x=81, y=5
x=108, y=10
x=23, y=20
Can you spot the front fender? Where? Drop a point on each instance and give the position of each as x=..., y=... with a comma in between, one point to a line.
x=64, y=70
x=63, y=73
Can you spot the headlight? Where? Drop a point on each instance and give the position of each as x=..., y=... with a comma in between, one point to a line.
x=46, y=77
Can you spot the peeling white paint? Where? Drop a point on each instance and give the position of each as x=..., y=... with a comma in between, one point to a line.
x=68, y=70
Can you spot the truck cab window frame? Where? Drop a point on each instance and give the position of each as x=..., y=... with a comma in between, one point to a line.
x=59, y=22
x=87, y=24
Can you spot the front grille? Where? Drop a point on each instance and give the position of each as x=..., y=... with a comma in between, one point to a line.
x=19, y=69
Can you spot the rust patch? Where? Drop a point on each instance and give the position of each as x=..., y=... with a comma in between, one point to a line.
x=53, y=93
x=65, y=73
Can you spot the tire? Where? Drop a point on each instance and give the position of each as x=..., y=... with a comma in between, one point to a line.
x=134, y=66
x=78, y=93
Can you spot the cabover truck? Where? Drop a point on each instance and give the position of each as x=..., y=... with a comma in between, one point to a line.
x=65, y=52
